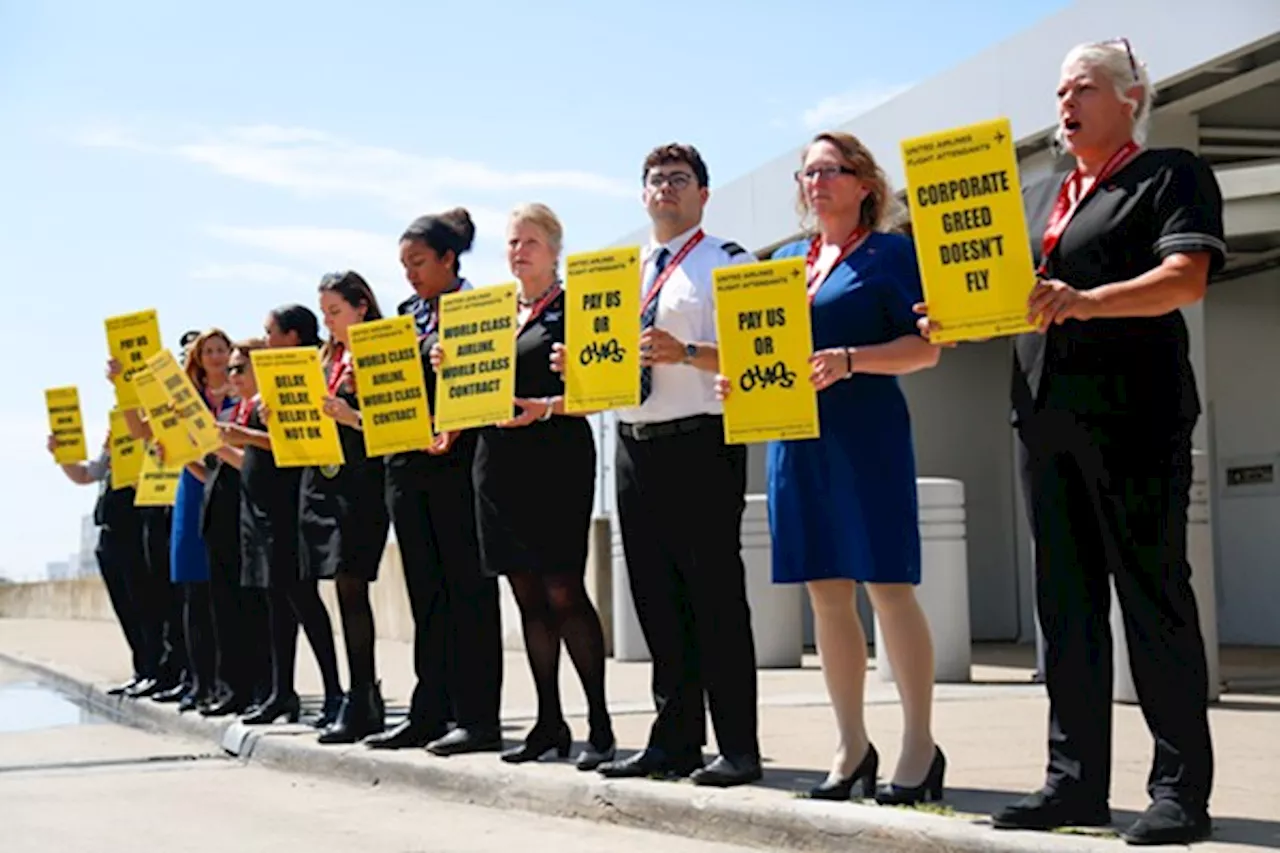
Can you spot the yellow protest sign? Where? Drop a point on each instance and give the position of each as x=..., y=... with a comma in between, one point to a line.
x=157, y=484
x=602, y=330
x=126, y=453
x=970, y=230
x=762, y=322
x=186, y=401
x=65, y=424
x=167, y=429
x=131, y=340
x=476, y=383
x=392, y=386
x=291, y=384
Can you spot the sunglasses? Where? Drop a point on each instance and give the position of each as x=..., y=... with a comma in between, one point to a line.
x=1128, y=49
x=236, y=369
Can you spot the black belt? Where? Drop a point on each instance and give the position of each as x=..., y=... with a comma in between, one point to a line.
x=667, y=429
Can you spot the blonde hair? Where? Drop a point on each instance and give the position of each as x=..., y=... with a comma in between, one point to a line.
x=879, y=208
x=538, y=214
x=1120, y=65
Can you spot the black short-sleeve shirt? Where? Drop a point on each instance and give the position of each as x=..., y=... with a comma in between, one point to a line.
x=1166, y=201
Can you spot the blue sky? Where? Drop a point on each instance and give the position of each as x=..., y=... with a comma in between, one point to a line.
x=213, y=162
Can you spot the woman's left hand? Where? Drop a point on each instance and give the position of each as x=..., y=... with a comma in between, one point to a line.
x=338, y=409
x=1053, y=302
x=530, y=411
x=827, y=367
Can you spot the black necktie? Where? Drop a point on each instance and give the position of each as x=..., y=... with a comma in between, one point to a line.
x=649, y=316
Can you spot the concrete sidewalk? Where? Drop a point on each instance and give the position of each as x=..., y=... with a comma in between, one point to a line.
x=992, y=731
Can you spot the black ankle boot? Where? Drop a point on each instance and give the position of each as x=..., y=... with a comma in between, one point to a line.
x=362, y=714
x=273, y=709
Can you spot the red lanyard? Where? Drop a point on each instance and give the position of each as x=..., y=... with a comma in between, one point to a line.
x=242, y=412
x=815, y=248
x=341, y=370
x=539, y=306
x=669, y=269
x=1070, y=198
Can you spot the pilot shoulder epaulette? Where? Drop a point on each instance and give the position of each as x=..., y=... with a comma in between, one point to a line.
x=731, y=248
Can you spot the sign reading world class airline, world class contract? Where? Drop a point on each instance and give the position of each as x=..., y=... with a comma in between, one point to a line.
x=391, y=385
x=475, y=385
x=970, y=231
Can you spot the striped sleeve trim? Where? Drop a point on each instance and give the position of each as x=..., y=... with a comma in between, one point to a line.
x=1171, y=244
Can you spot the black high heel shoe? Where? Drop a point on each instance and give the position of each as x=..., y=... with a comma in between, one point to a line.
x=929, y=790
x=329, y=711
x=273, y=709
x=539, y=743
x=841, y=790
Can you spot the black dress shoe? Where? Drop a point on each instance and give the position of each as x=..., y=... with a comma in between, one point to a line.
x=143, y=688
x=842, y=789
x=272, y=710
x=930, y=789
x=540, y=741
x=121, y=689
x=329, y=711
x=169, y=693
x=461, y=741
x=592, y=757
x=727, y=772
x=1167, y=822
x=192, y=701
x=408, y=735
x=651, y=762
x=1047, y=810
x=362, y=714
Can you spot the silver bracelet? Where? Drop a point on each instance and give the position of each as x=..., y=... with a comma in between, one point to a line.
x=550, y=403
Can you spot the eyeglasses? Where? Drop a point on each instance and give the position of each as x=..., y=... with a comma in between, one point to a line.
x=814, y=173
x=1128, y=49
x=236, y=369
x=677, y=180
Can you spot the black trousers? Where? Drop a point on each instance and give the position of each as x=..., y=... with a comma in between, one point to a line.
x=680, y=503
x=121, y=560
x=161, y=601
x=202, y=647
x=457, y=648
x=1109, y=500
x=231, y=611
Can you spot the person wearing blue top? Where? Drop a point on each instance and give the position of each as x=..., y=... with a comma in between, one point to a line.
x=842, y=507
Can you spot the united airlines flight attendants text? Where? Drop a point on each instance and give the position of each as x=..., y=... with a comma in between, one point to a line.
x=681, y=495
x=269, y=543
x=842, y=508
x=1105, y=401
x=344, y=515
x=457, y=647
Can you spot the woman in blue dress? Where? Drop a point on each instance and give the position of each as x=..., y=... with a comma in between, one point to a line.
x=206, y=365
x=842, y=507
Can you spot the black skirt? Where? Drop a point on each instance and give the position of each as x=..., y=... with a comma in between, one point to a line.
x=342, y=517
x=268, y=520
x=535, y=487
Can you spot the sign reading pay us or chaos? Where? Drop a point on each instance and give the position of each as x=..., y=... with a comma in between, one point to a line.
x=131, y=340
x=602, y=330
x=392, y=386
x=970, y=231
x=766, y=340
x=475, y=385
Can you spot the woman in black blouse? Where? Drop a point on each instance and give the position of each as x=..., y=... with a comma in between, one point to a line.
x=269, y=537
x=343, y=516
x=540, y=543
x=1104, y=402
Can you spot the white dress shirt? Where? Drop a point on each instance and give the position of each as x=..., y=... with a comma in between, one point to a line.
x=686, y=310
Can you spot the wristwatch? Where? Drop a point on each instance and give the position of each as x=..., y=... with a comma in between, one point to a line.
x=690, y=353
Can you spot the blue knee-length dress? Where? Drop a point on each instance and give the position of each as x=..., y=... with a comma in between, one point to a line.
x=844, y=505
x=188, y=560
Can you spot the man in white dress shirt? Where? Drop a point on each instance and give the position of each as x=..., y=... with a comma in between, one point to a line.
x=681, y=494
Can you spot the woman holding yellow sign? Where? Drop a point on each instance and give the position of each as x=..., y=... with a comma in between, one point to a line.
x=842, y=508
x=540, y=544
x=343, y=515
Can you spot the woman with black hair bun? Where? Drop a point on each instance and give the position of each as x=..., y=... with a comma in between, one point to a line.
x=269, y=536
x=457, y=641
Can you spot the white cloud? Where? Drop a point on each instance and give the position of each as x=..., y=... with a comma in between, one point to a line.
x=315, y=164
x=249, y=273
x=835, y=110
